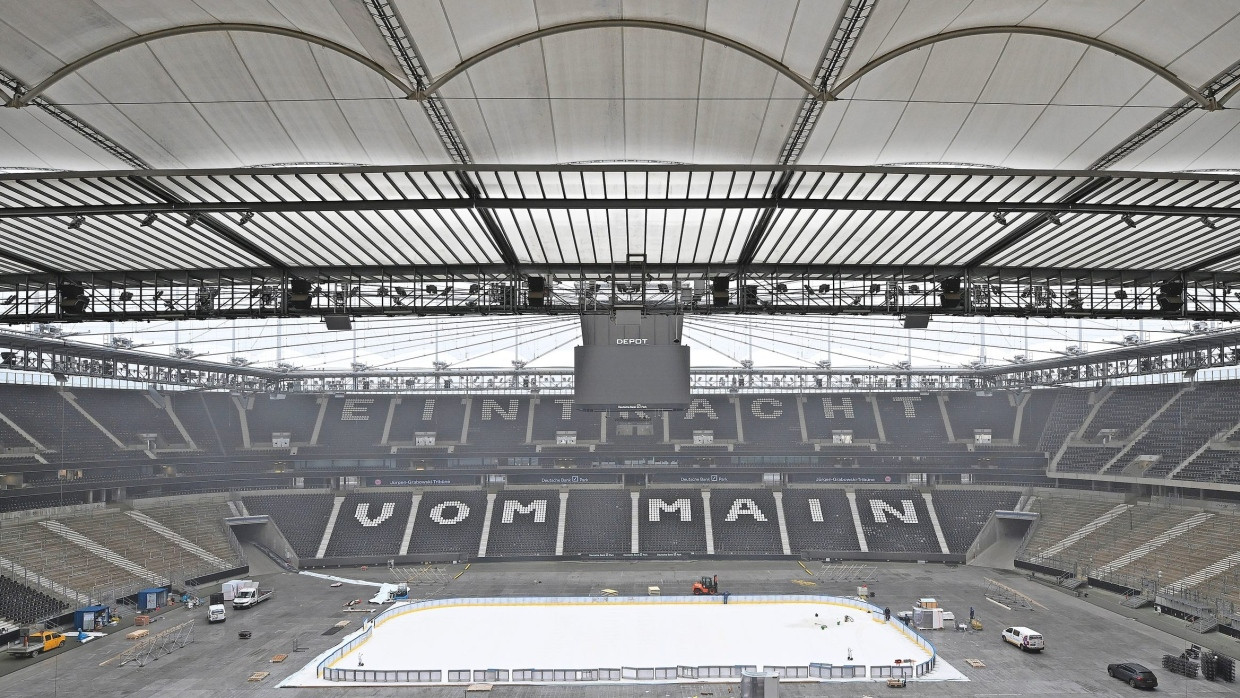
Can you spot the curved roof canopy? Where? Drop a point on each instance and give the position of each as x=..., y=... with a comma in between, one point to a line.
x=566, y=138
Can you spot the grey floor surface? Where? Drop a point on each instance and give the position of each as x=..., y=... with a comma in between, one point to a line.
x=1083, y=635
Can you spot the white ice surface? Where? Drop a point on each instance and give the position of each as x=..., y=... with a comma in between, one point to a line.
x=631, y=633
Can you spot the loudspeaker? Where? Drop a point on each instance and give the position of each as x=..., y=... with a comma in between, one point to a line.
x=719, y=291
x=73, y=298
x=950, y=296
x=537, y=291
x=338, y=322
x=1170, y=296
x=299, y=294
x=916, y=322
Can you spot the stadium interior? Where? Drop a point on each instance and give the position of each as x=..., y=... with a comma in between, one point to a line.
x=315, y=286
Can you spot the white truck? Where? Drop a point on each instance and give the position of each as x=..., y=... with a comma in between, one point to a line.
x=251, y=595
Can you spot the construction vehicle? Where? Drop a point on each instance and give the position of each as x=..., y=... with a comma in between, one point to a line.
x=706, y=585
x=34, y=643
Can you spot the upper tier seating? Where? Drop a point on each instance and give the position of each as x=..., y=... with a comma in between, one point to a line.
x=353, y=424
x=524, y=522
x=674, y=524
x=369, y=524
x=971, y=411
x=127, y=413
x=598, y=522
x=1069, y=410
x=771, y=421
x=9, y=438
x=291, y=414
x=896, y=521
x=444, y=415
x=302, y=518
x=57, y=425
x=1085, y=459
x=1037, y=412
x=555, y=413
x=25, y=605
x=745, y=522
x=449, y=521
x=1127, y=408
x=840, y=412
x=963, y=513
x=912, y=419
x=497, y=422
x=629, y=428
x=1213, y=466
x=819, y=520
x=211, y=420
x=712, y=413
x=1189, y=423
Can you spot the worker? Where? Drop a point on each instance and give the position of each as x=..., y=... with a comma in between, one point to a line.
x=970, y=613
x=887, y=613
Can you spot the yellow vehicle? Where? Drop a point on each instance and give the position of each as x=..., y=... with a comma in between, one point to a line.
x=35, y=643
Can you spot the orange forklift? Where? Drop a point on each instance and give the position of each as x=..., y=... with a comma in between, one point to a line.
x=706, y=585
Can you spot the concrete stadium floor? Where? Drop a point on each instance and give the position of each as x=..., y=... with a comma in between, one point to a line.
x=1082, y=635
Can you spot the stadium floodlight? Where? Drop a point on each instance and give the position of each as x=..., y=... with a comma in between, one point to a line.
x=245, y=218
x=76, y=222
x=1053, y=217
x=1205, y=220
x=1128, y=221
x=191, y=220
x=148, y=220
x=1000, y=217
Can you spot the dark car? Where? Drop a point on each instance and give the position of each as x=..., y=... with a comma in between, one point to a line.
x=1136, y=675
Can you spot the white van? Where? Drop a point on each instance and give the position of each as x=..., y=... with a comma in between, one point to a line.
x=1025, y=638
x=216, y=613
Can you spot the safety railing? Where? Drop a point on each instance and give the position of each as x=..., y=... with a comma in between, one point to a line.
x=325, y=669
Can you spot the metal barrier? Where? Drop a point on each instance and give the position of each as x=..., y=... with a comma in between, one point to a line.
x=326, y=671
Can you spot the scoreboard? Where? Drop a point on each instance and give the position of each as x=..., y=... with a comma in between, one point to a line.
x=633, y=362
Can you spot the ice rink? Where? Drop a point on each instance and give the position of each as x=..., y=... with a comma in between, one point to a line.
x=630, y=632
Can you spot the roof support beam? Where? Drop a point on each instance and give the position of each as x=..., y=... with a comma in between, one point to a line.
x=1203, y=101
x=696, y=204
x=78, y=126
x=25, y=98
x=214, y=224
x=848, y=26
x=835, y=55
x=390, y=23
x=622, y=23
x=1067, y=203
x=26, y=262
x=1169, y=117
